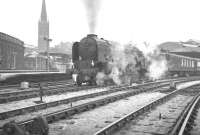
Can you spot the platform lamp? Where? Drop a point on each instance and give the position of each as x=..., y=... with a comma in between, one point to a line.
x=47, y=51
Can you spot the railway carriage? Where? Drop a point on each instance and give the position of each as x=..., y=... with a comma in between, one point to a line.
x=182, y=65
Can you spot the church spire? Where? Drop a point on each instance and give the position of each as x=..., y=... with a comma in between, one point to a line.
x=43, y=30
x=43, y=12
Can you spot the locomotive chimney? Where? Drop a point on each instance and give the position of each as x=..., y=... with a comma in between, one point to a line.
x=92, y=35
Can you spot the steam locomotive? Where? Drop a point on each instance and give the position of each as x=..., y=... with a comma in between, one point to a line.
x=90, y=56
x=93, y=55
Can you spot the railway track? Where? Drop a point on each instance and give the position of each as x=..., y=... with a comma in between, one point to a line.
x=20, y=111
x=185, y=124
x=83, y=107
x=51, y=90
x=34, y=85
x=6, y=97
x=32, y=108
x=151, y=118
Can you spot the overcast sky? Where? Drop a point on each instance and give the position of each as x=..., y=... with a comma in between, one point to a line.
x=154, y=21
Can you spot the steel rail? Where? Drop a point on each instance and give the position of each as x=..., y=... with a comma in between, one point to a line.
x=12, y=113
x=20, y=111
x=34, y=84
x=122, y=121
x=27, y=71
x=83, y=107
x=20, y=95
x=181, y=125
x=50, y=83
x=46, y=88
x=15, y=93
x=35, y=93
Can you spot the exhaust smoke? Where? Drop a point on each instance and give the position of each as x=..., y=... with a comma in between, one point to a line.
x=92, y=9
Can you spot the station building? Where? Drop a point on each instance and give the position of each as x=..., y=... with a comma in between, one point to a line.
x=11, y=53
x=35, y=61
x=58, y=61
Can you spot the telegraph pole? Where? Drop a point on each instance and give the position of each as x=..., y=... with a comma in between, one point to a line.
x=47, y=51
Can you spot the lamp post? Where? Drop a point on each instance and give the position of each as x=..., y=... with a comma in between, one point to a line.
x=47, y=51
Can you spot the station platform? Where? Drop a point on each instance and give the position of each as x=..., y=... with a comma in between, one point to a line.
x=18, y=77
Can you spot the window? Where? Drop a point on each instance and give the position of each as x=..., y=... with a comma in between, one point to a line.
x=192, y=63
x=185, y=63
x=189, y=63
x=198, y=64
x=182, y=62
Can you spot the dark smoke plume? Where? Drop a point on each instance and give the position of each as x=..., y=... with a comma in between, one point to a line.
x=92, y=8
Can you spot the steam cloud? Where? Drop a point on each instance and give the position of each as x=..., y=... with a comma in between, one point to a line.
x=92, y=8
x=122, y=67
x=100, y=77
x=125, y=57
x=157, y=69
x=157, y=64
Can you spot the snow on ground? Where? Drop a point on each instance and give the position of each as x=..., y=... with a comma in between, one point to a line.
x=150, y=123
x=28, y=102
x=54, y=109
x=87, y=123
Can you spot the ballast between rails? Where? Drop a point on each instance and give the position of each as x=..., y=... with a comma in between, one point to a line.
x=33, y=84
x=20, y=111
x=27, y=71
x=5, y=115
x=181, y=124
x=18, y=95
x=34, y=93
x=70, y=111
x=83, y=107
x=122, y=121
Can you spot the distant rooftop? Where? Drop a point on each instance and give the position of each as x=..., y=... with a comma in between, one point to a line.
x=188, y=46
x=7, y=37
x=189, y=54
